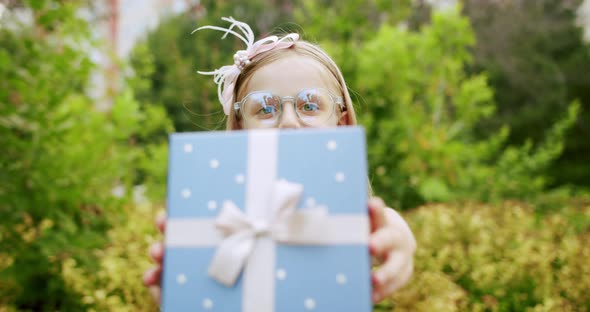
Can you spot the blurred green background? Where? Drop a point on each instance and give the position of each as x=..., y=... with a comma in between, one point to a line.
x=477, y=117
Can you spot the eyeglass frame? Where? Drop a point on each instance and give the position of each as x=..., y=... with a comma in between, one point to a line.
x=337, y=100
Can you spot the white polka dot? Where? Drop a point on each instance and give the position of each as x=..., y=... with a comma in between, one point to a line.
x=212, y=205
x=310, y=202
x=281, y=274
x=240, y=179
x=214, y=163
x=186, y=193
x=331, y=145
x=207, y=304
x=188, y=148
x=341, y=279
x=339, y=177
x=309, y=304
x=181, y=279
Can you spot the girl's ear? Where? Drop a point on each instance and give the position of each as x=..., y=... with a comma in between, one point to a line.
x=343, y=119
x=233, y=123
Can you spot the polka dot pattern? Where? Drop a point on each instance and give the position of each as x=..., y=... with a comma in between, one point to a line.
x=240, y=179
x=331, y=145
x=185, y=193
x=207, y=304
x=181, y=279
x=341, y=279
x=309, y=304
x=281, y=274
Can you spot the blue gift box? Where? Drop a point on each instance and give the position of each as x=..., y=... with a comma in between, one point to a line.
x=325, y=268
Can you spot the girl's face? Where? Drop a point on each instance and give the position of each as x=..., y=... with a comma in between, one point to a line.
x=310, y=97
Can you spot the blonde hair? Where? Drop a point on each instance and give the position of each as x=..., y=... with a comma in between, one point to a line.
x=302, y=48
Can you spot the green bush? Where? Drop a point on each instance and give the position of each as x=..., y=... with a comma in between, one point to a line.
x=61, y=158
x=422, y=110
x=503, y=257
x=116, y=284
x=470, y=257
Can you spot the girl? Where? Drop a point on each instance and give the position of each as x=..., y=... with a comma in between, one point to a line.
x=290, y=83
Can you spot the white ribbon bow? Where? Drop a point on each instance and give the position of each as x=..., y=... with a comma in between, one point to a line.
x=286, y=225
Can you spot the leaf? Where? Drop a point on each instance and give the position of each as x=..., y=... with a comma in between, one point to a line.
x=434, y=190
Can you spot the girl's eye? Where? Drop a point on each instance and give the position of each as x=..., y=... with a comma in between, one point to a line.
x=268, y=104
x=267, y=110
x=309, y=107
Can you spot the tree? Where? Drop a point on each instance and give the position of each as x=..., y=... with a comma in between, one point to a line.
x=537, y=62
x=424, y=109
x=61, y=158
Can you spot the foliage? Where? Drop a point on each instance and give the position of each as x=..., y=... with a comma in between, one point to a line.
x=353, y=20
x=343, y=27
x=470, y=257
x=61, y=157
x=116, y=285
x=537, y=63
x=476, y=257
x=423, y=109
x=114, y=282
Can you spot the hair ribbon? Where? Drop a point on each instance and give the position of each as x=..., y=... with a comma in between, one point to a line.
x=226, y=76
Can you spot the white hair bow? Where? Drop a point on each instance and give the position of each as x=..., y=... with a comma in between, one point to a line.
x=225, y=77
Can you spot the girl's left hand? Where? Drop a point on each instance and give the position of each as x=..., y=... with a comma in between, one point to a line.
x=392, y=245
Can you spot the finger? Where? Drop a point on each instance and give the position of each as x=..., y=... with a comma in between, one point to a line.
x=398, y=282
x=157, y=252
x=152, y=276
x=376, y=214
x=384, y=240
x=395, y=220
x=382, y=292
x=161, y=221
x=156, y=293
x=391, y=275
x=392, y=267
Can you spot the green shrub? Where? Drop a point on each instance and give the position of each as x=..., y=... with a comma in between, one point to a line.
x=421, y=115
x=117, y=284
x=61, y=158
x=470, y=257
x=476, y=257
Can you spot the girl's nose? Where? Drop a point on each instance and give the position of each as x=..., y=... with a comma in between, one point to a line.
x=289, y=117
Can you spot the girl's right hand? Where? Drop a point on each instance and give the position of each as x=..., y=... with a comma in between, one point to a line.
x=152, y=277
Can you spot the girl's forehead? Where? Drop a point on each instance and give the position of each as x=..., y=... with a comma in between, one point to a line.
x=290, y=74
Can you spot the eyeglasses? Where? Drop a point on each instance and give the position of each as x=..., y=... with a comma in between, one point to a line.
x=313, y=107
